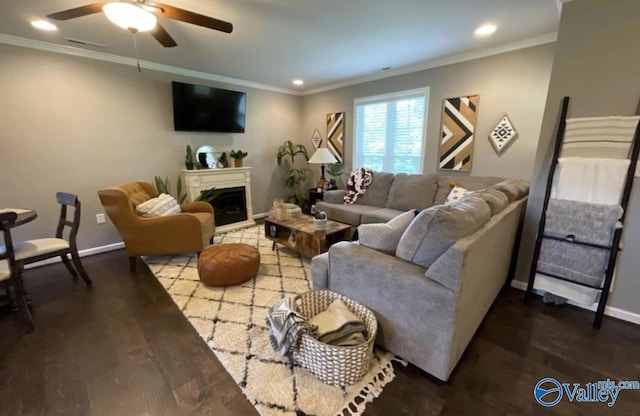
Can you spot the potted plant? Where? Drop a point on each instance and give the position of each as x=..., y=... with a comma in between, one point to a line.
x=222, y=159
x=237, y=157
x=188, y=158
x=334, y=171
x=297, y=176
x=162, y=187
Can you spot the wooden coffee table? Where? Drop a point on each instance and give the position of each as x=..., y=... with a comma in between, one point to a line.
x=298, y=234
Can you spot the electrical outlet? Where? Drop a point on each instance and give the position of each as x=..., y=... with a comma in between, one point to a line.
x=100, y=219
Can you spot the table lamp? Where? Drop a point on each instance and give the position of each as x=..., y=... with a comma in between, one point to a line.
x=322, y=156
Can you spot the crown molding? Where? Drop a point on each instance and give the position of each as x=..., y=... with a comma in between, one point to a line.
x=106, y=57
x=447, y=60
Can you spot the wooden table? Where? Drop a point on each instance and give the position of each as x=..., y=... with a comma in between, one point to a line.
x=298, y=234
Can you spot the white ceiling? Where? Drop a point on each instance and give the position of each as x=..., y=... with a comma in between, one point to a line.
x=323, y=42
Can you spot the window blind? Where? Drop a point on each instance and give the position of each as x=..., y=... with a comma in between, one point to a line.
x=389, y=132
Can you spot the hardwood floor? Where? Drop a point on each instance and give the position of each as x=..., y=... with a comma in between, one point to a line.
x=123, y=348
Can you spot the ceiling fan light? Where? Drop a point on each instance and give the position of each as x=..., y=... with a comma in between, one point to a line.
x=129, y=16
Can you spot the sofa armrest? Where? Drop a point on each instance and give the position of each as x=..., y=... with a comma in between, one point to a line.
x=415, y=314
x=335, y=196
x=197, y=206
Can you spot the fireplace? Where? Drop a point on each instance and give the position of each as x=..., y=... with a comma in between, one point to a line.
x=229, y=205
x=232, y=187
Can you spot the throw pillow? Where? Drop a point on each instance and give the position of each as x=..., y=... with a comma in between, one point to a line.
x=385, y=236
x=357, y=184
x=456, y=193
x=496, y=200
x=514, y=189
x=436, y=229
x=158, y=207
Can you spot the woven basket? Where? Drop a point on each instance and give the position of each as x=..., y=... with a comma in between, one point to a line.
x=337, y=366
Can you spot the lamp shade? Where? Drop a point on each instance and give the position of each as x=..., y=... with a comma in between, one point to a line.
x=129, y=16
x=323, y=155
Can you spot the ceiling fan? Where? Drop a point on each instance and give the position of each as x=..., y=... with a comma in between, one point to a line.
x=140, y=16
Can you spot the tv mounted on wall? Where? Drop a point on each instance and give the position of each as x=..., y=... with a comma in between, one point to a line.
x=202, y=108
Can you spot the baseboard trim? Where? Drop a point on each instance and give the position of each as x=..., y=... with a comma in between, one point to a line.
x=82, y=253
x=609, y=310
x=260, y=215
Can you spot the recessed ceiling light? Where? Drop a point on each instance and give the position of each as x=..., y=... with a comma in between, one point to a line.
x=44, y=25
x=486, y=30
x=298, y=82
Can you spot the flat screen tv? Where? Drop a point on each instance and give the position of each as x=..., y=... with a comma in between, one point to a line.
x=202, y=108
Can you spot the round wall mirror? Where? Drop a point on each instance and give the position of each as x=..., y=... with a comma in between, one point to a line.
x=206, y=154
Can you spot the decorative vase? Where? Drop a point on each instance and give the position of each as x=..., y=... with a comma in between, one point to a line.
x=237, y=163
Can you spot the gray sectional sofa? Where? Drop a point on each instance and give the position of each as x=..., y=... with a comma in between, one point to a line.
x=390, y=195
x=431, y=293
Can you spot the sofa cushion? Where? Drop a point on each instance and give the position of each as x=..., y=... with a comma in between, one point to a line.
x=379, y=215
x=385, y=236
x=434, y=230
x=345, y=213
x=378, y=192
x=412, y=192
x=472, y=183
x=456, y=193
x=496, y=199
x=159, y=206
x=514, y=189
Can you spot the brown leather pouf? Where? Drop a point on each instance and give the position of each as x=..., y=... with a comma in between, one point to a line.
x=228, y=264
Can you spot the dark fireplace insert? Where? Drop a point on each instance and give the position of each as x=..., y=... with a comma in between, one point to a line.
x=229, y=205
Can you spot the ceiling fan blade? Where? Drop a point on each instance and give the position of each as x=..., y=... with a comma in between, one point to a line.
x=77, y=12
x=162, y=36
x=193, y=18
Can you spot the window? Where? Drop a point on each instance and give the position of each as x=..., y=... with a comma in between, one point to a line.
x=390, y=131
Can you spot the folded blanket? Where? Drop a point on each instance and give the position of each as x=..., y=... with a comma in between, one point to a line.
x=337, y=325
x=287, y=326
x=577, y=263
x=594, y=180
x=587, y=222
x=358, y=182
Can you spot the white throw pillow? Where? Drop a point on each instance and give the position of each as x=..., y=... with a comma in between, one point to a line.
x=385, y=236
x=456, y=193
x=160, y=206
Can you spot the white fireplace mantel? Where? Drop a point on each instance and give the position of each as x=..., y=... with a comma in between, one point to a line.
x=200, y=180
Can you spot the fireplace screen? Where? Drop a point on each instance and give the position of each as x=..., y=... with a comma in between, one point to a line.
x=229, y=205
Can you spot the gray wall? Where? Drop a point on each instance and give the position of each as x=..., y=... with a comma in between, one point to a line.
x=514, y=83
x=77, y=124
x=598, y=66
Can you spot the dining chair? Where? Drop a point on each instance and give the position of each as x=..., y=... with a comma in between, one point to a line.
x=31, y=251
x=10, y=269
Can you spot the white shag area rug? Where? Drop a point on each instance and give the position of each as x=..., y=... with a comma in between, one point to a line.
x=232, y=322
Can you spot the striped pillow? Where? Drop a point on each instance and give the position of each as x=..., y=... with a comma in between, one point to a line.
x=159, y=207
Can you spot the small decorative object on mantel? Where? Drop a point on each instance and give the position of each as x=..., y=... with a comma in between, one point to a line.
x=316, y=140
x=202, y=158
x=188, y=158
x=335, y=134
x=459, y=117
x=237, y=157
x=502, y=134
x=222, y=160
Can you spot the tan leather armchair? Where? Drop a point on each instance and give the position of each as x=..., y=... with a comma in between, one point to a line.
x=188, y=232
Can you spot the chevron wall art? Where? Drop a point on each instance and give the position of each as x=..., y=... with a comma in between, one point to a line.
x=459, y=116
x=335, y=134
